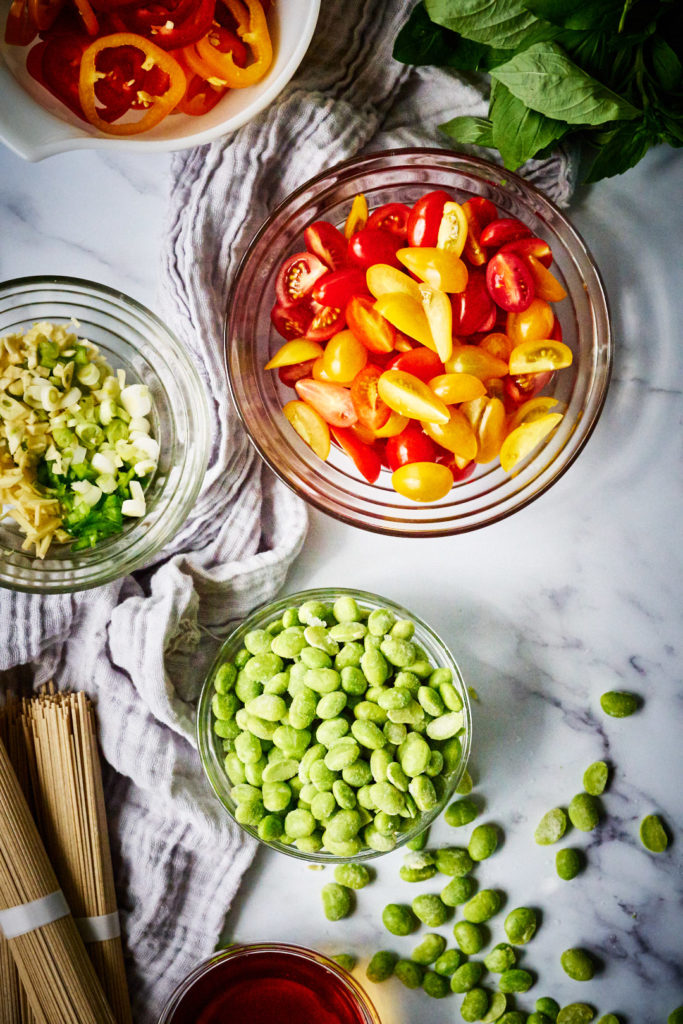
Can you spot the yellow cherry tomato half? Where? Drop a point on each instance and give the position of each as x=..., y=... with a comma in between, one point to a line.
x=439, y=313
x=474, y=411
x=318, y=370
x=344, y=357
x=394, y=425
x=524, y=438
x=422, y=481
x=498, y=345
x=540, y=356
x=409, y=396
x=310, y=426
x=546, y=284
x=298, y=351
x=531, y=410
x=456, y=435
x=535, y=322
x=382, y=279
x=475, y=361
x=491, y=431
x=407, y=315
x=453, y=388
x=358, y=216
x=452, y=229
x=438, y=267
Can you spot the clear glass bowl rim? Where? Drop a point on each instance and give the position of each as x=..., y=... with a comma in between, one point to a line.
x=212, y=763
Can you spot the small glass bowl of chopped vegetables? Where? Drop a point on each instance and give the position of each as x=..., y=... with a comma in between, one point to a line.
x=418, y=342
x=104, y=434
x=334, y=725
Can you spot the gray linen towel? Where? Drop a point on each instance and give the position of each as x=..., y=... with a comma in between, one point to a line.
x=133, y=644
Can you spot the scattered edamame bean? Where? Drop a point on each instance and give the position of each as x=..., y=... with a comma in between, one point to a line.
x=466, y=976
x=435, y=985
x=653, y=835
x=609, y=1018
x=448, y=962
x=497, y=1007
x=470, y=937
x=346, y=960
x=595, y=778
x=538, y=1018
x=568, y=863
x=576, y=1013
x=453, y=860
x=465, y=785
x=549, y=1006
x=513, y=1017
x=430, y=909
x=458, y=891
x=398, y=919
x=475, y=1004
x=483, y=842
x=429, y=950
x=578, y=964
x=337, y=901
x=676, y=1016
x=483, y=906
x=620, y=703
x=520, y=925
x=515, y=980
x=584, y=812
x=408, y=973
x=462, y=812
x=500, y=959
x=551, y=827
x=381, y=966
x=418, y=868
x=353, y=876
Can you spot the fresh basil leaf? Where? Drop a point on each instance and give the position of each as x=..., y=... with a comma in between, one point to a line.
x=546, y=80
x=518, y=132
x=506, y=24
x=469, y=131
x=629, y=144
x=665, y=64
x=422, y=42
x=593, y=15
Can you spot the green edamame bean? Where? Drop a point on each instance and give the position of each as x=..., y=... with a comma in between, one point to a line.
x=403, y=629
x=267, y=706
x=349, y=657
x=368, y=711
x=322, y=776
x=448, y=963
x=435, y=986
x=292, y=742
x=398, y=919
x=250, y=813
x=453, y=860
x=418, y=868
x=549, y=1006
x=462, y=812
x=408, y=973
x=225, y=677
x=458, y=891
x=247, y=747
x=450, y=696
x=224, y=705
x=475, y=1004
x=408, y=681
x=322, y=680
x=258, y=641
x=413, y=716
x=397, y=777
x=319, y=638
x=430, y=909
x=568, y=863
x=375, y=667
x=344, y=795
x=483, y=842
x=299, y=823
x=515, y=980
x=520, y=925
x=276, y=796
x=381, y=966
x=357, y=774
x=342, y=753
x=400, y=653
x=353, y=876
x=307, y=793
x=380, y=621
x=313, y=613
x=345, y=609
x=353, y=681
x=431, y=701
x=262, y=667
x=466, y=977
x=423, y=793
x=445, y=726
x=347, y=961
x=371, y=642
x=342, y=826
x=387, y=824
x=422, y=667
x=483, y=906
x=414, y=754
x=653, y=834
x=584, y=812
x=395, y=732
x=348, y=848
x=513, y=1017
x=396, y=697
x=452, y=756
x=551, y=827
x=234, y=768
x=280, y=770
x=246, y=689
x=578, y=964
x=538, y=1018
x=227, y=730
x=323, y=806
x=376, y=841
x=435, y=766
x=620, y=703
x=420, y=840
x=470, y=937
x=241, y=658
x=576, y=1013
x=270, y=828
x=501, y=958
x=331, y=704
x=348, y=632
x=387, y=798
x=289, y=643
x=243, y=793
x=595, y=778
x=497, y=1007
x=368, y=734
x=337, y=901
x=676, y=1016
x=611, y=1018
x=331, y=730
x=277, y=684
x=429, y=950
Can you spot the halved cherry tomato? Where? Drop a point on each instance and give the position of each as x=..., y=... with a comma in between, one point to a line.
x=338, y=286
x=546, y=284
x=523, y=386
x=420, y=362
x=473, y=307
x=297, y=277
x=510, y=282
x=344, y=357
x=372, y=245
x=382, y=279
x=453, y=388
x=392, y=217
x=497, y=344
x=293, y=352
x=411, y=397
x=490, y=431
x=535, y=322
x=425, y=218
x=411, y=445
x=289, y=375
x=407, y=316
x=456, y=436
x=369, y=326
x=521, y=441
x=328, y=244
x=439, y=313
x=332, y=401
x=327, y=320
x=452, y=229
x=533, y=246
x=437, y=267
x=372, y=411
x=394, y=425
x=363, y=456
x=479, y=213
x=318, y=370
x=540, y=356
x=310, y=426
x=422, y=481
x=502, y=230
x=291, y=322
x=358, y=216
x=532, y=410
x=460, y=469
x=475, y=361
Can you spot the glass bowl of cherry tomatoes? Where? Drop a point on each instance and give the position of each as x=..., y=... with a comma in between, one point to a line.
x=418, y=342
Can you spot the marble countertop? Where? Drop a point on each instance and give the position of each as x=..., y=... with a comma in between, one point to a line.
x=577, y=594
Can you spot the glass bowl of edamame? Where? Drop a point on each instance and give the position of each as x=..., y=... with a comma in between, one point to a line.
x=334, y=725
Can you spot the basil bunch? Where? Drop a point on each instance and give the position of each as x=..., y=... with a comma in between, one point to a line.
x=609, y=72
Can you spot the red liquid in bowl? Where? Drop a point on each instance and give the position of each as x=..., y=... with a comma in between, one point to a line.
x=268, y=988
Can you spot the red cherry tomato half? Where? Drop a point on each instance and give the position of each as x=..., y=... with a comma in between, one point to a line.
x=479, y=212
x=446, y=458
x=292, y=322
x=425, y=218
x=338, y=286
x=372, y=411
x=510, y=282
x=369, y=326
x=372, y=245
x=364, y=456
x=297, y=276
x=392, y=217
x=474, y=307
x=289, y=375
x=530, y=247
x=326, y=321
x=524, y=386
x=421, y=362
x=328, y=244
x=332, y=401
x=556, y=333
x=411, y=445
x=504, y=229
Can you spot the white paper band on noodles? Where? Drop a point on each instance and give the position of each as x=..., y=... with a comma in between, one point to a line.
x=99, y=929
x=29, y=916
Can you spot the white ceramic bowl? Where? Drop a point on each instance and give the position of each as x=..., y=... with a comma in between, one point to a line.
x=35, y=124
